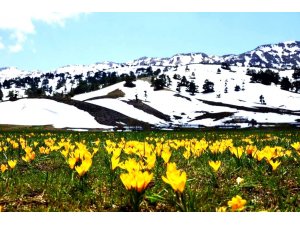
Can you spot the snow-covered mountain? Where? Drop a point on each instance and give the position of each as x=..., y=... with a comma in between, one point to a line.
x=241, y=96
x=13, y=72
x=282, y=55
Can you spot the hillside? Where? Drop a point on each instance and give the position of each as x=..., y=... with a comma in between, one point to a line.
x=196, y=110
x=187, y=90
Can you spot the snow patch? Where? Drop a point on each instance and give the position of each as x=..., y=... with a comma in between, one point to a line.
x=46, y=112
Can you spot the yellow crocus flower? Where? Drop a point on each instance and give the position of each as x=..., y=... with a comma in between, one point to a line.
x=44, y=150
x=238, y=152
x=15, y=144
x=151, y=159
x=65, y=153
x=117, y=152
x=136, y=180
x=288, y=153
x=84, y=167
x=97, y=142
x=95, y=150
x=49, y=142
x=274, y=164
x=215, y=165
x=28, y=149
x=12, y=163
x=115, y=162
x=296, y=146
x=260, y=155
x=175, y=178
x=237, y=203
x=130, y=147
x=187, y=154
x=171, y=168
x=29, y=156
x=158, y=149
x=268, y=156
x=4, y=167
x=214, y=148
x=142, y=180
x=221, y=209
x=131, y=164
x=78, y=154
x=248, y=140
x=199, y=147
x=80, y=170
x=250, y=149
x=126, y=179
x=23, y=143
x=72, y=162
x=166, y=154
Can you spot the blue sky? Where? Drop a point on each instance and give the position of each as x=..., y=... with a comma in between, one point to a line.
x=46, y=42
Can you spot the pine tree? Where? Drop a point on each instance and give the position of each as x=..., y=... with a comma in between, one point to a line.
x=159, y=83
x=193, y=88
x=226, y=88
x=296, y=86
x=157, y=72
x=178, y=88
x=149, y=71
x=129, y=81
x=12, y=96
x=1, y=95
x=237, y=88
x=208, y=86
x=285, y=84
x=296, y=74
x=225, y=66
x=184, y=81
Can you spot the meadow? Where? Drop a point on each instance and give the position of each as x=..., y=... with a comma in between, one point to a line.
x=202, y=171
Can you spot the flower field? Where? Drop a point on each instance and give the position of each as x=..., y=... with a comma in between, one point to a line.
x=202, y=171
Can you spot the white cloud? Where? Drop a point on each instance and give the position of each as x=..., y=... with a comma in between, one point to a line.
x=21, y=24
x=20, y=39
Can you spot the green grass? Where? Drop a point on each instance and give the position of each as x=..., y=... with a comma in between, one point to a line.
x=48, y=184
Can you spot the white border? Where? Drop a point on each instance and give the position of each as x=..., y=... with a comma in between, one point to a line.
x=152, y=5
x=150, y=218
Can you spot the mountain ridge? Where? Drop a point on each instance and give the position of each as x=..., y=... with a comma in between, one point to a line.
x=260, y=57
x=282, y=55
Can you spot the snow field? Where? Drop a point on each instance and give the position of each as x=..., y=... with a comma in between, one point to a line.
x=46, y=112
